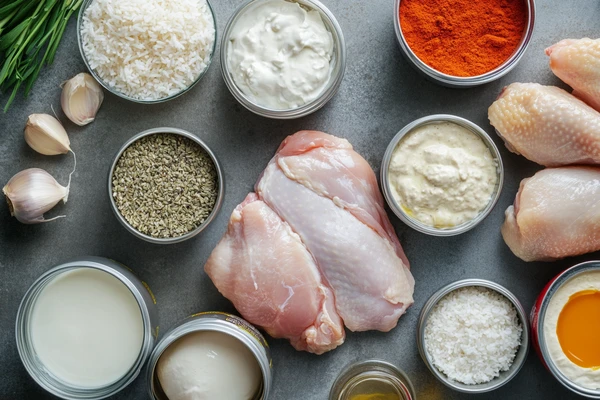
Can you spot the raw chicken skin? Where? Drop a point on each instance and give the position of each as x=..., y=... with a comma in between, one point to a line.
x=547, y=125
x=556, y=214
x=264, y=268
x=317, y=217
x=577, y=63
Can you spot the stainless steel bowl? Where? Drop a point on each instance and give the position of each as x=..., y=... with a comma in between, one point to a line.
x=201, y=227
x=84, y=6
x=338, y=64
x=414, y=223
x=470, y=81
x=505, y=376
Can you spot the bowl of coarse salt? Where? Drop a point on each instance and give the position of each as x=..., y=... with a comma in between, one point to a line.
x=473, y=335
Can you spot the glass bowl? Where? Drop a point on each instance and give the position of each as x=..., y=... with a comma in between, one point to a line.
x=469, y=81
x=84, y=6
x=413, y=222
x=338, y=64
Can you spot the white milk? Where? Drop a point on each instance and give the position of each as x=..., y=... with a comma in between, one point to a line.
x=87, y=328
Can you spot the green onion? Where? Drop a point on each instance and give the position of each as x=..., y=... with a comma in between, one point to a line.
x=30, y=31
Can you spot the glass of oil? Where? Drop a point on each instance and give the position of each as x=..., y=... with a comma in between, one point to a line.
x=372, y=380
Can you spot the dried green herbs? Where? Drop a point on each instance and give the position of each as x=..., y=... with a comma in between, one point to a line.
x=165, y=185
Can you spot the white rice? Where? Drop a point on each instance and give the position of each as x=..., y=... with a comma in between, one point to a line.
x=472, y=334
x=148, y=49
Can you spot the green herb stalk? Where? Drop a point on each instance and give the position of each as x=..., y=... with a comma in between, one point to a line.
x=30, y=31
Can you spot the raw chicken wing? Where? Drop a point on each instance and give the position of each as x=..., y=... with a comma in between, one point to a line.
x=556, y=214
x=547, y=125
x=577, y=63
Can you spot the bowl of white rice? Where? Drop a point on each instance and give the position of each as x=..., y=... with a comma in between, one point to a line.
x=473, y=335
x=147, y=51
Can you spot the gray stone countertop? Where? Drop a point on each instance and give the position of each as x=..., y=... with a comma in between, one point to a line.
x=379, y=95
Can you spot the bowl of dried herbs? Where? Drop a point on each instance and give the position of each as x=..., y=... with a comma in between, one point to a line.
x=165, y=185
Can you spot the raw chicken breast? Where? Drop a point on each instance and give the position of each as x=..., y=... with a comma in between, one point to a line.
x=547, y=125
x=556, y=214
x=577, y=63
x=273, y=281
x=312, y=245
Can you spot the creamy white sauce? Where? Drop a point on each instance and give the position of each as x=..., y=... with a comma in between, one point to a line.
x=207, y=366
x=442, y=174
x=87, y=328
x=585, y=377
x=279, y=54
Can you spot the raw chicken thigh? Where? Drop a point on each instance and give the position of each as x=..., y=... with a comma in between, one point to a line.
x=314, y=247
x=273, y=281
x=547, y=125
x=556, y=214
x=577, y=63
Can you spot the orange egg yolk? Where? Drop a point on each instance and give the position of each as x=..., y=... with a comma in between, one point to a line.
x=578, y=329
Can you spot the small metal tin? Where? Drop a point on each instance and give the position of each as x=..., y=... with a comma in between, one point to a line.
x=414, y=223
x=470, y=81
x=538, y=314
x=338, y=64
x=201, y=227
x=84, y=6
x=141, y=292
x=357, y=377
x=216, y=322
x=505, y=376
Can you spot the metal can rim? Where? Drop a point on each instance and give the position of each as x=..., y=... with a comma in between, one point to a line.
x=201, y=322
x=520, y=357
x=538, y=334
x=28, y=300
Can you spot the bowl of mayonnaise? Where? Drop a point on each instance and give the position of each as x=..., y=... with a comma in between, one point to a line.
x=283, y=59
x=442, y=175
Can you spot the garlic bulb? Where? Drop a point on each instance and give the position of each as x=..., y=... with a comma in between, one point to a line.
x=46, y=135
x=81, y=98
x=31, y=193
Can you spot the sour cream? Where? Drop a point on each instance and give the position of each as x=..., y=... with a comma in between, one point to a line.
x=87, y=328
x=279, y=54
x=442, y=174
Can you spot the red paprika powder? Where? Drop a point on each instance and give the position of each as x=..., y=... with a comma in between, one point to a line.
x=463, y=37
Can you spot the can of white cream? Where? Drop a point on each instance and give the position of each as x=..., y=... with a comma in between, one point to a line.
x=211, y=347
x=85, y=328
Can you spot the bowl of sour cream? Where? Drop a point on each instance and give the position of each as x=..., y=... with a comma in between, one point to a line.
x=283, y=59
x=442, y=175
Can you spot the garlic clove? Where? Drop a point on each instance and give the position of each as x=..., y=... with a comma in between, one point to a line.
x=31, y=193
x=46, y=135
x=81, y=98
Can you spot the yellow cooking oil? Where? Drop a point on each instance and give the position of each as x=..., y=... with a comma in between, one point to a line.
x=374, y=388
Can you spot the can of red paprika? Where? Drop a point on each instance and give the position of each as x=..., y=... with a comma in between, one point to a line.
x=580, y=278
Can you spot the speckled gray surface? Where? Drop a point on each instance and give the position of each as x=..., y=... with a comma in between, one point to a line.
x=379, y=95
